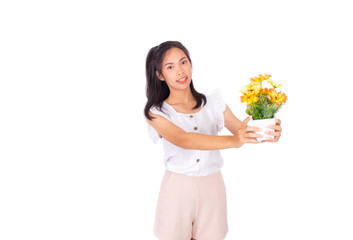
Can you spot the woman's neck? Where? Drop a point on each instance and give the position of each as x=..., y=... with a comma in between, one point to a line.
x=183, y=97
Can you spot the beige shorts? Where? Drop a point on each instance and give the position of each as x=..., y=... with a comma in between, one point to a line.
x=191, y=207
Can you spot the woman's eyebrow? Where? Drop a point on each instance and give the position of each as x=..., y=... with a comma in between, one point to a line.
x=172, y=63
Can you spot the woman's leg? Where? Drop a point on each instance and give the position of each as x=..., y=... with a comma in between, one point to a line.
x=211, y=215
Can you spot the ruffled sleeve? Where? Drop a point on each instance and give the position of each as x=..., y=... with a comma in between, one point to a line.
x=154, y=135
x=218, y=107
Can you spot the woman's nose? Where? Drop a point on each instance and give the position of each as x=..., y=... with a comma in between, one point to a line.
x=180, y=70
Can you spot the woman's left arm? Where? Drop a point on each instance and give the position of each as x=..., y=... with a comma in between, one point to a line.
x=232, y=123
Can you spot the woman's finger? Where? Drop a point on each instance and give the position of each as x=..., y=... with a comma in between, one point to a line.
x=275, y=127
x=251, y=140
x=253, y=135
x=271, y=139
x=275, y=134
x=245, y=122
x=253, y=129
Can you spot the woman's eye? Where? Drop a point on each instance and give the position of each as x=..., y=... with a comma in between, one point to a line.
x=184, y=62
x=170, y=67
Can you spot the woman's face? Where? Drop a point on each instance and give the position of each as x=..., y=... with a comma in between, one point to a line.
x=176, y=69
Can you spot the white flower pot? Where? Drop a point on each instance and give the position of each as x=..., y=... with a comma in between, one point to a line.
x=263, y=123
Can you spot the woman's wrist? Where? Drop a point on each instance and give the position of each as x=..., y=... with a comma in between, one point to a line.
x=236, y=141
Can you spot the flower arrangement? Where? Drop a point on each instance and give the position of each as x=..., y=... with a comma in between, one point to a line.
x=262, y=103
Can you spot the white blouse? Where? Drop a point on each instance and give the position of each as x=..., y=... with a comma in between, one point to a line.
x=209, y=120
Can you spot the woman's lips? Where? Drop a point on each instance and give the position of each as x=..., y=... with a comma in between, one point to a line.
x=182, y=80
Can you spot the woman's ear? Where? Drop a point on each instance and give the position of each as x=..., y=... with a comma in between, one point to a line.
x=160, y=76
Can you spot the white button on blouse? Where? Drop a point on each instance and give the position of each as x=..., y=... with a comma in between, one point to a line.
x=209, y=120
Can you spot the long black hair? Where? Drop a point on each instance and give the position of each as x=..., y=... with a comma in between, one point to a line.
x=156, y=90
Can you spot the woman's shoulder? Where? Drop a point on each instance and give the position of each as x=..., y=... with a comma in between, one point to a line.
x=217, y=106
x=162, y=110
x=215, y=99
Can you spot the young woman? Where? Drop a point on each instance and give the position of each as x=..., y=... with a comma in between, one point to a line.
x=192, y=198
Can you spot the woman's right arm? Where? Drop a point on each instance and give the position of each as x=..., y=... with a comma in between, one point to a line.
x=189, y=140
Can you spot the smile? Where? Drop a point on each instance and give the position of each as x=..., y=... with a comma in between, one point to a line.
x=182, y=80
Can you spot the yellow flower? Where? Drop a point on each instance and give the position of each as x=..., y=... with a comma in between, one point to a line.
x=276, y=97
x=275, y=85
x=249, y=98
x=260, y=78
x=267, y=76
x=282, y=97
x=255, y=79
x=251, y=88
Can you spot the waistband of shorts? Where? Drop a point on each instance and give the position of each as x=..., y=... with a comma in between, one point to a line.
x=195, y=177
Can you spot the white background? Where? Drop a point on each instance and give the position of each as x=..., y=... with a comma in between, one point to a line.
x=75, y=158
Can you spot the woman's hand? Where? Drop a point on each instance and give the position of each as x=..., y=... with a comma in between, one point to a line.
x=276, y=133
x=246, y=134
